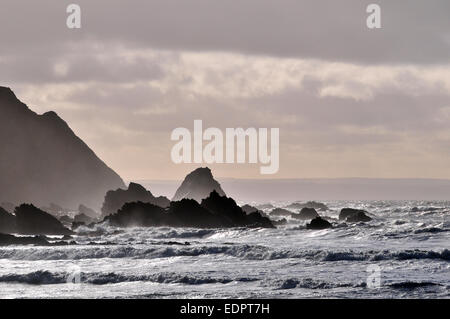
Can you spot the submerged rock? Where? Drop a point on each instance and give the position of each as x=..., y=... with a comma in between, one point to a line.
x=318, y=223
x=114, y=200
x=354, y=215
x=32, y=220
x=306, y=214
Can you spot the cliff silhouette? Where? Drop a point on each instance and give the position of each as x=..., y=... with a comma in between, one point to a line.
x=42, y=160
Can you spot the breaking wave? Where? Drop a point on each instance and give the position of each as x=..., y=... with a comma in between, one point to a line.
x=48, y=278
x=248, y=252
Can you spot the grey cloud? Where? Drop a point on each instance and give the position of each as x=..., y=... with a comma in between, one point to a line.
x=413, y=31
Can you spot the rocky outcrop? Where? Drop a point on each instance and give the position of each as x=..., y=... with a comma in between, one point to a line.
x=248, y=209
x=227, y=207
x=114, y=200
x=138, y=214
x=33, y=221
x=198, y=185
x=214, y=211
x=7, y=222
x=318, y=223
x=306, y=214
x=43, y=161
x=354, y=215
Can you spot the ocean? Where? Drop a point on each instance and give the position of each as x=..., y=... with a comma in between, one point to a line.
x=404, y=252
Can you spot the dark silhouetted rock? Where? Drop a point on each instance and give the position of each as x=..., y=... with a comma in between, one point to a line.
x=310, y=204
x=138, y=214
x=248, y=209
x=7, y=222
x=87, y=211
x=318, y=223
x=43, y=161
x=306, y=214
x=114, y=200
x=33, y=221
x=354, y=215
x=359, y=216
x=198, y=185
x=227, y=207
x=189, y=213
x=280, y=212
x=215, y=211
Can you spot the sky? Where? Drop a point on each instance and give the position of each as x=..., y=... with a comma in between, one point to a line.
x=349, y=101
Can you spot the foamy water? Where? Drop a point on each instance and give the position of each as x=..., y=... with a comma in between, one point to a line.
x=408, y=242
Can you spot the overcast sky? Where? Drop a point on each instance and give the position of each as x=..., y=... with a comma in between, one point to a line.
x=349, y=101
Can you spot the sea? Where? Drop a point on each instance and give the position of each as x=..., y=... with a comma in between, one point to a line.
x=404, y=252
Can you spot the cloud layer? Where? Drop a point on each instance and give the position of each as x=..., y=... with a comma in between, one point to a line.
x=348, y=101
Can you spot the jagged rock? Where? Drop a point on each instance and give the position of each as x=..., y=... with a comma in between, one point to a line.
x=354, y=215
x=198, y=185
x=43, y=161
x=250, y=209
x=214, y=211
x=318, y=223
x=32, y=220
x=227, y=207
x=189, y=213
x=138, y=214
x=87, y=211
x=7, y=222
x=310, y=204
x=280, y=212
x=114, y=200
x=306, y=213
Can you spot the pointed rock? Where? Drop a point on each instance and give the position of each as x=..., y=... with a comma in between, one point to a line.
x=114, y=200
x=198, y=185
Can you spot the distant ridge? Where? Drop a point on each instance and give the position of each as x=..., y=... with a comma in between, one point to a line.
x=43, y=161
